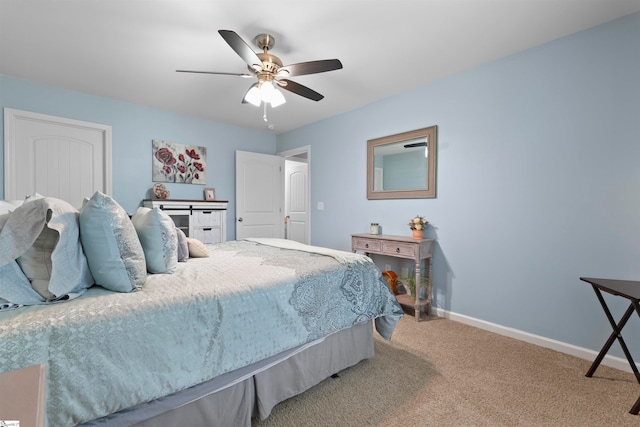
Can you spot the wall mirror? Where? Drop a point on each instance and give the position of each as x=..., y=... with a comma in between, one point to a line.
x=402, y=166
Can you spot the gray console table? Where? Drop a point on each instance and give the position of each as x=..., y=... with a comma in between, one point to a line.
x=401, y=247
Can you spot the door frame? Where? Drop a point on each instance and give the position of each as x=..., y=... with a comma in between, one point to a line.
x=295, y=152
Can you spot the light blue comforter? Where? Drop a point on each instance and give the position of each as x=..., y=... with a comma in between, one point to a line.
x=107, y=351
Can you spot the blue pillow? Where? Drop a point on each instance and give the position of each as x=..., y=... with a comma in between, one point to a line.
x=15, y=289
x=157, y=233
x=111, y=244
x=183, y=246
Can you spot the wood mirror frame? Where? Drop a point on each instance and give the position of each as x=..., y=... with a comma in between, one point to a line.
x=426, y=136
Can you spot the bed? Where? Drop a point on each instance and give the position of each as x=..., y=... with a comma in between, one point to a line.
x=219, y=340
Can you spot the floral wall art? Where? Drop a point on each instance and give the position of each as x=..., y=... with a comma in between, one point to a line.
x=180, y=163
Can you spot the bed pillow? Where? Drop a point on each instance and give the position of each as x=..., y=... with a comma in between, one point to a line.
x=183, y=246
x=42, y=236
x=36, y=262
x=157, y=233
x=15, y=289
x=7, y=206
x=111, y=244
x=34, y=196
x=3, y=219
x=197, y=249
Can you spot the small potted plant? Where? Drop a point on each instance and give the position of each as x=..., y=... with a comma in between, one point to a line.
x=417, y=225
x=409, y=285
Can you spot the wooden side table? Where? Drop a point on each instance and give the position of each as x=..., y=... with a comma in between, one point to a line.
x=401, y=247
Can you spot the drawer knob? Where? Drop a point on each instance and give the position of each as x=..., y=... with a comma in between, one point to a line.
x=398, y=250
x=366, y=245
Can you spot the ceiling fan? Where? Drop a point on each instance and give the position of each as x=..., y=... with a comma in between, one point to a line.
x=270, y=71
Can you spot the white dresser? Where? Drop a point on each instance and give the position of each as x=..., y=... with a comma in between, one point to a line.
x=205, y=221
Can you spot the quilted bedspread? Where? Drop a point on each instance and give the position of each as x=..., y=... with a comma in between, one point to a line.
x=106, y=351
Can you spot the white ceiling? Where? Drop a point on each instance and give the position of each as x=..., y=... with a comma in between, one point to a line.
x=129, y=50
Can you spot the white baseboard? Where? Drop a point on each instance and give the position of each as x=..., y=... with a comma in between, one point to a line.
x=573, y=350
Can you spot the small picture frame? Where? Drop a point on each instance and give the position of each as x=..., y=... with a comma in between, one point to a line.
x=209, y=193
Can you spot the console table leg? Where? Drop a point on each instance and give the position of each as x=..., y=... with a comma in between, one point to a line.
x=417, y=295
x=429, y=287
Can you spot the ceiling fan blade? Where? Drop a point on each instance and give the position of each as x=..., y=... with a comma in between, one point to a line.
x=415, y=144
x=311, y=67
x=301, y=90
x=245, y=75
x=241, y=48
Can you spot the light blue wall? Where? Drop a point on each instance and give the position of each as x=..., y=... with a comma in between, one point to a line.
x=134, y=127
x=538, y=182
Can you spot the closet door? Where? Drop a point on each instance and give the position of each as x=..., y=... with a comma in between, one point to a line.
x=259, y=195
x=56, y=157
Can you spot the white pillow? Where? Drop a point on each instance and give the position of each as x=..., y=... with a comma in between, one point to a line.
x=42, y=235
x=157, y=233
x=34, y=196
x=197, y=249
x=3, y=219
x=111, y=244
x=7, y=206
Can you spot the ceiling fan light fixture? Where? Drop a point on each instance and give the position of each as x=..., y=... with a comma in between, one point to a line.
x=253, y=95
x=272, y=95
x=264, y=92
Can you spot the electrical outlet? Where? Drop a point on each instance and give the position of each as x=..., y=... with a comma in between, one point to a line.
x=387, y=267
x=320, y=206
x=404, y=272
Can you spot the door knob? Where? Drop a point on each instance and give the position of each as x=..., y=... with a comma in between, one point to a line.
x=240, y=219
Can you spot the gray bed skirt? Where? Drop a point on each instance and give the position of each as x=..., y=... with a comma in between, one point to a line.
x=234, y=398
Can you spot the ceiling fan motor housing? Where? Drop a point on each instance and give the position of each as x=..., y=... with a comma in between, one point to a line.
x=270, y=63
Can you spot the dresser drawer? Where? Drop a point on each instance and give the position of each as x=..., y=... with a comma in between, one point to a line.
x=206, y=218
x=399, y=248
x=207, y=234
x=366, y=245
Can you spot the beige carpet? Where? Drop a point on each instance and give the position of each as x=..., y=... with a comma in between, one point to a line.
x=443, y=373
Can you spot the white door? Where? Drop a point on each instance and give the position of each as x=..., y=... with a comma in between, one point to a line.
x=259, y=195
x=56, y=157
x=296, y=204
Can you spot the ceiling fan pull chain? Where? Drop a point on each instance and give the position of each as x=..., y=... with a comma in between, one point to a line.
x=264, y=115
